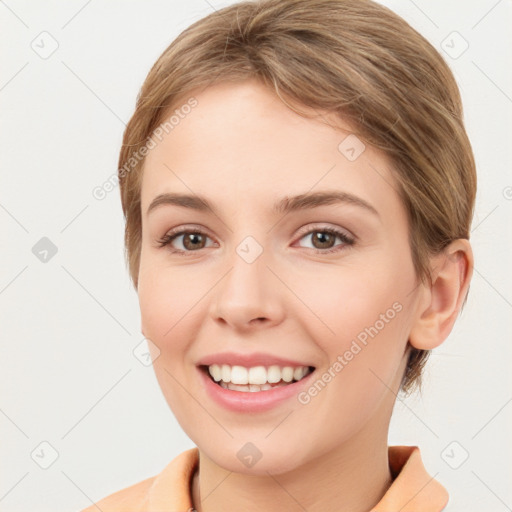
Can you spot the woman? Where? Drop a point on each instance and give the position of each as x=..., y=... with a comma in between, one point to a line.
x=298, y=188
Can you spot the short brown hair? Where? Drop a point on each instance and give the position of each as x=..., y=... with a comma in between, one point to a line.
x=354, y=58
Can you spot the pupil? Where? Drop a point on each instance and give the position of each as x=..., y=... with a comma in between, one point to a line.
x=321, y=236
x=192, y=239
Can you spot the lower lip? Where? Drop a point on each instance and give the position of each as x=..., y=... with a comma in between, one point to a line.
x=255, y=401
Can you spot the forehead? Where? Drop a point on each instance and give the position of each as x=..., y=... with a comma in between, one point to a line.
x=240, y=142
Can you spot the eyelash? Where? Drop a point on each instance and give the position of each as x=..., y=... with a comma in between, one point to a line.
x=346, y=239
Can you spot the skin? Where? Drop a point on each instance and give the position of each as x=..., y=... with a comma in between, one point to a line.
x=243, y=149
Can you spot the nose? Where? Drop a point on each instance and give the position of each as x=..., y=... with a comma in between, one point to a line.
x=249, y=296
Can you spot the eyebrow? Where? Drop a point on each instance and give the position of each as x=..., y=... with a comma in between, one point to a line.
x=283, y=206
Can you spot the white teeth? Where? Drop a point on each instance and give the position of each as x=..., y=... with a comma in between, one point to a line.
x=287, y=373
x=298, y=373
x=256, y=376
x=239, y=375
x=226, y=373
x=216, y=372
x=273, y=374
x=251, y=388
x=236, y=387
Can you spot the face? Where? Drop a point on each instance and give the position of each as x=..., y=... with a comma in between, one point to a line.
x=327, y=284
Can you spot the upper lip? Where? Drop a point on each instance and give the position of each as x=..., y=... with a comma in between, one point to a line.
x=248, y=360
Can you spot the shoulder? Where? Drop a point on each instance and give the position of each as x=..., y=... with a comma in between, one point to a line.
x=168, y=490
x=130, y=498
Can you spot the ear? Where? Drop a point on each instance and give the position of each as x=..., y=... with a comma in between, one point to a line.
x=441, y=301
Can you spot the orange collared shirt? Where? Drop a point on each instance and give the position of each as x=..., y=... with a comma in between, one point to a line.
x=412, y=489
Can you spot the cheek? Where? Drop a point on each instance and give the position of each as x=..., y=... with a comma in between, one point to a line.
x=346, y=300
x=168, y=307
x=363, y=354
x=166, y=301
x=362, y=320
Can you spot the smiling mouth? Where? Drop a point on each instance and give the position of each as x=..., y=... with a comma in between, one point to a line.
x=255, y=379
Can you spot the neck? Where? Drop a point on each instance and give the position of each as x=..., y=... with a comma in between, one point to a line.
x=351, y=478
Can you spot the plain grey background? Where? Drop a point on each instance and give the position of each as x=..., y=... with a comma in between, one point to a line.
x=71, y=371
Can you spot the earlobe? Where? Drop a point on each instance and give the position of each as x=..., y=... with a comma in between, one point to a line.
x=441, y=302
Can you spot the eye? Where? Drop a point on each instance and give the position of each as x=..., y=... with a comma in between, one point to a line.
x=323, y=239
x=193, y=239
